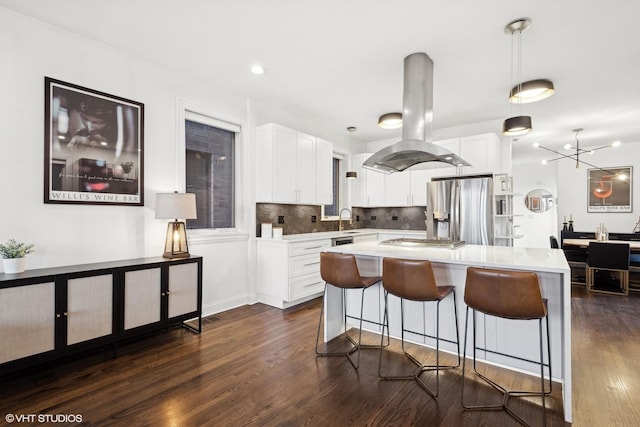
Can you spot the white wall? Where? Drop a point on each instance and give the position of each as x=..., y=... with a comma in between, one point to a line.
x=77, y=234
x=573, y=188
x=536, y=227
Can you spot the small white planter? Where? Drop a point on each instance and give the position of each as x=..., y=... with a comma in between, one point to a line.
x=14, y=265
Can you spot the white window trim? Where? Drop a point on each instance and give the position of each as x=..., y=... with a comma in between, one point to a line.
x=186, y=110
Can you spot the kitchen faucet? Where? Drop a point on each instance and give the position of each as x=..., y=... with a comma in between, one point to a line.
x=340, y=218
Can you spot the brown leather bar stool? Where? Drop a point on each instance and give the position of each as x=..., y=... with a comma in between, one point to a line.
x=414, y=280
x=510, y=295
x=341, y=271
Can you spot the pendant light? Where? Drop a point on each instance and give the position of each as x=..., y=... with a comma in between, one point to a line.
x=517, y=125
x=351, y=174
x=531, y=91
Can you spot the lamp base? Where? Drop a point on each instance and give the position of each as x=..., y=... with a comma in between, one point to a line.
x=175, y=245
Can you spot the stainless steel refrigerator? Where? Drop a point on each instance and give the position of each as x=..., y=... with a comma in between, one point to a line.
x=461, y=209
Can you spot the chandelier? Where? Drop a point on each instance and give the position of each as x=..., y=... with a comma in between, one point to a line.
x=576, y=151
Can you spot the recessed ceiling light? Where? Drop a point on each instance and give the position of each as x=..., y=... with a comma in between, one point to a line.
x=257, y=69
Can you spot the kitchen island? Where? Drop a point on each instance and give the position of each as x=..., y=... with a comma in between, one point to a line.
x=497, y=337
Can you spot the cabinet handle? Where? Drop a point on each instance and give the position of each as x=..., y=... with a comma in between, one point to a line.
x=168, y=292
x=162, y=294
x=312, y=263
x=312, y=284
x=313, y=247
x=58, y=315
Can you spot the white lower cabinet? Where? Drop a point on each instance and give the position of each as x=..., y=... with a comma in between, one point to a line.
x=289, y=272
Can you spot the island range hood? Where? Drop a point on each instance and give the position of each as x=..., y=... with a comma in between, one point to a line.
x=417, y=116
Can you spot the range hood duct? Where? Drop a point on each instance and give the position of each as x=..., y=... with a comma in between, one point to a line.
x=417, y=116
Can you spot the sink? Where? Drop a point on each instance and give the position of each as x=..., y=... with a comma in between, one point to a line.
x=424, y=243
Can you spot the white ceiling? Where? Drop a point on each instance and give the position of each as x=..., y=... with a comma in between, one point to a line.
x=342, y=60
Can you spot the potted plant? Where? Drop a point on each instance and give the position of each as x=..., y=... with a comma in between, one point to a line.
x=13, y=255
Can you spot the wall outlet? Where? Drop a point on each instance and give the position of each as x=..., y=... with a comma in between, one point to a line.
x=313, y=218
x=281, y=219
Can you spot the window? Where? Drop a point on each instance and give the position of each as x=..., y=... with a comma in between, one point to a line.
x=332, y=209
x=330, y=212
x=210, y=168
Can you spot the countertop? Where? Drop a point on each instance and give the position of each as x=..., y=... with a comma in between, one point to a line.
x=346, y=233
x=536, y=259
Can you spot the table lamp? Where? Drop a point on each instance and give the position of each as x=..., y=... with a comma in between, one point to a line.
x=173, y=206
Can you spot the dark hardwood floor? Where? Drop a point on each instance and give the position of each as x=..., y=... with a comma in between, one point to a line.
x=255, y=365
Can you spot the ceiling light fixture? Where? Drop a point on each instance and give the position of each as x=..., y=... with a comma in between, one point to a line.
x=257, y=69
x=351, y=174
x=531, y=91
x=517, y=125
x=578, y=150
x=390, y=121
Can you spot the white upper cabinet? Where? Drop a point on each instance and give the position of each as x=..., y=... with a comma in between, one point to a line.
x=324, y=171
x=419, y=179
x=305, y=167
x=292, y=167
x=284, y=165
x=483, y=152
x=409, y=188
x=397, y=189
x=368, y=188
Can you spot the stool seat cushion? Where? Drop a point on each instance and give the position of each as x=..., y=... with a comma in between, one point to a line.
x=341, y=270
x=410, y=279
x=504, y=293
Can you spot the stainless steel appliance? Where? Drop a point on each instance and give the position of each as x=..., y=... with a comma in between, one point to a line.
x=460, y=209
x=342, y=240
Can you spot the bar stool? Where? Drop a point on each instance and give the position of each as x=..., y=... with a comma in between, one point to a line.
x=510, y=295
x=414, y=280
x=341, y=271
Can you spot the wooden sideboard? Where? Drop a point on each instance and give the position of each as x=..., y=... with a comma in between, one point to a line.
x=49, y=313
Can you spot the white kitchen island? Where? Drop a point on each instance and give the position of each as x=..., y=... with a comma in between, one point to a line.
x=497, y=337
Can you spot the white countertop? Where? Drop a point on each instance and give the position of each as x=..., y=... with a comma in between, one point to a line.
x=346, y=233
x=533, y=259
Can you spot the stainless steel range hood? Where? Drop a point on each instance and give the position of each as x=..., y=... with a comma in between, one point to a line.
x=417, y=116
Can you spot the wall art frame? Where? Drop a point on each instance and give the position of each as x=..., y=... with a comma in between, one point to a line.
x=94, y=147
x=610, y=190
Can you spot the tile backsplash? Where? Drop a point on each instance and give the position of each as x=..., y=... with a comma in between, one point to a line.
x=297, y=219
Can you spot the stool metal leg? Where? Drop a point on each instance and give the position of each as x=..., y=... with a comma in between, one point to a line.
x=421, y=368
x=506, y=394
x=356, y=345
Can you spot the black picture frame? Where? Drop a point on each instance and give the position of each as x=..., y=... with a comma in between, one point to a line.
x=610, y=190
x=94, y=147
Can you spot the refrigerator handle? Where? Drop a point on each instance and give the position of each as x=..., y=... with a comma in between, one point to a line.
x=454, y=222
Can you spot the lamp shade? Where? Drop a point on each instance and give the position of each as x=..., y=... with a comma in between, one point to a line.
x=390, y=121
x=176, y=205
x=518, y=125
x=531, y=91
